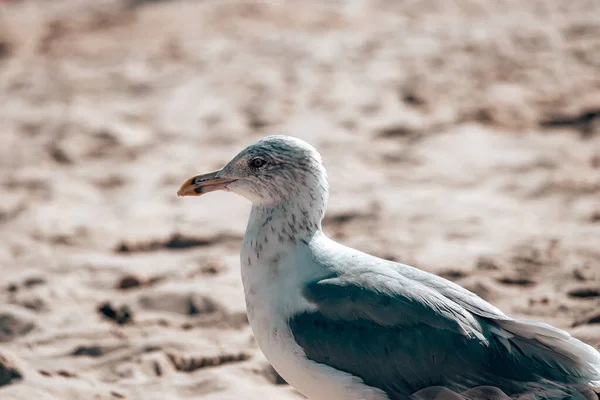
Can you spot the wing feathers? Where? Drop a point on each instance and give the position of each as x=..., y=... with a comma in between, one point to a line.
x=540, y=340
x=421, y=302
x=432, y=330
x=390, y=301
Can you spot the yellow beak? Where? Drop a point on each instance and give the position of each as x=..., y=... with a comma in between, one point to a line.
x=200, y=184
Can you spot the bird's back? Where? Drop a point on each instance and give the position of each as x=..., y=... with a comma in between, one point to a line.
x=402, y=329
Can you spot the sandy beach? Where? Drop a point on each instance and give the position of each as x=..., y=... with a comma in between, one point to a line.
x=462, y=138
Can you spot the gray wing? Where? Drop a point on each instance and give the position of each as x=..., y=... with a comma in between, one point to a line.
x=450, y=290
x=403, y=332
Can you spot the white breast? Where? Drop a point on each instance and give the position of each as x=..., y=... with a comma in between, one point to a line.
x=272, y=283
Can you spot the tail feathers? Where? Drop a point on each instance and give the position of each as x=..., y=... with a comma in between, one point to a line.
x=495, y=393
x=554, y=347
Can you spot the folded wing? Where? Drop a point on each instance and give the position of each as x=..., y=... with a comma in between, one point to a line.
x=401, y=330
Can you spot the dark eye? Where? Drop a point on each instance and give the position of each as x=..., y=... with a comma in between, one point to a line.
x=257, y=162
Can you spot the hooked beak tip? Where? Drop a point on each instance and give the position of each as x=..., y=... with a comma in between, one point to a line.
x=201, y=184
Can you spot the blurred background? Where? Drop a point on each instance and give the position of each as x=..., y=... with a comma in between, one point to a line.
x=462, y=137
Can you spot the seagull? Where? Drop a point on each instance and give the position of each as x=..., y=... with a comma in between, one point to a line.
x=340, y=324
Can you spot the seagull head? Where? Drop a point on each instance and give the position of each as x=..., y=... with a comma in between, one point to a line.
x=271, y=171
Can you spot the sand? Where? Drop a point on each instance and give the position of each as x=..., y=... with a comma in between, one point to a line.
x=460, y=137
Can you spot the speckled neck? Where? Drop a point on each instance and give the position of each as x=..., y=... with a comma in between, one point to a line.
x=284, y=223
